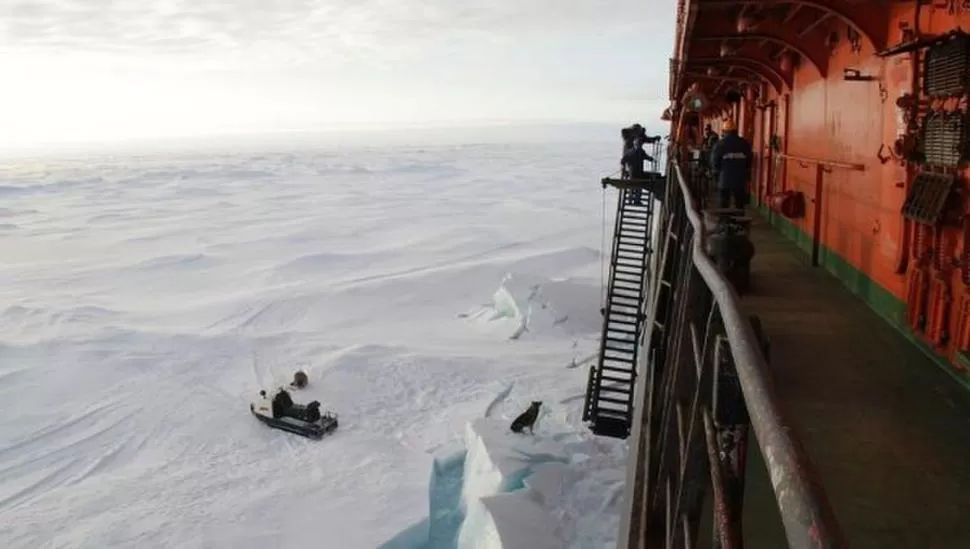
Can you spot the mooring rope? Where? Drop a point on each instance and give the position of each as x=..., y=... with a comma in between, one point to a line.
x=603, y=254
x=603, y=247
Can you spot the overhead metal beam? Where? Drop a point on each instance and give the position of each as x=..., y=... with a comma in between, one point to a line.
x=815, y=57
x=870, y=21
x=751, y=63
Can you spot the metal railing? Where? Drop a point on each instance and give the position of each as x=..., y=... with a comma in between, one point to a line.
x=821, y=168
x=704, y=386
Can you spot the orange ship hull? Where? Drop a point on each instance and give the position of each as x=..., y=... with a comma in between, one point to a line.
x=839, y=101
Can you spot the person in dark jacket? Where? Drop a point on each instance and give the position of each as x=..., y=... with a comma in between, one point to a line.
x=710, y=138
x=627, y=135
x=632, y=161
x=731, y=161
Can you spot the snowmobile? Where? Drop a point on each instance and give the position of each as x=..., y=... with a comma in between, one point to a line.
x=279, y=411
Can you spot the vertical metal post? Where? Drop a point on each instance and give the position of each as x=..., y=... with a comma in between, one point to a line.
x=817, y=221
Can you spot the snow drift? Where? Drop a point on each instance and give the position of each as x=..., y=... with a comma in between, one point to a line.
x=501, y=510
x=129, y=284
x=502, y=492
x=533, y=306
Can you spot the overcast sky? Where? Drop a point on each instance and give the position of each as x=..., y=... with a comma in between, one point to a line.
x=83, y=70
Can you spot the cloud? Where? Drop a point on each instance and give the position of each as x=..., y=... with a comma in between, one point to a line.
x=113, y=69
x=256, y=31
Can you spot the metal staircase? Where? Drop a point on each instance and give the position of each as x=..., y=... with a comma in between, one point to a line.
x=609, y=393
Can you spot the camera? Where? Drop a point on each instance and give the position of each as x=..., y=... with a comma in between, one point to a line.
x=637, y=131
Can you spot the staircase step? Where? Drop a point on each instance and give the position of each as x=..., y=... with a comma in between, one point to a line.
x=617, y=361
x=634, y=250
x=630, y=260
x=617, y=370
x=616, y=349
x=613, y=372
x=613, y=400
x=630, y=353
x=640, y=252
x=628, y=286
x=636, y=281
x=625, y=329
x=611, y=414
x=629, y=358
x=630, y=234
x=617, y=379
x=631, y=271
x=626, y=274
x=621, y=390
x=629, y=321
x=631, y=249
x=626, y=367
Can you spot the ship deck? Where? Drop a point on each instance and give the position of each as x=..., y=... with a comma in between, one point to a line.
x=887, y=430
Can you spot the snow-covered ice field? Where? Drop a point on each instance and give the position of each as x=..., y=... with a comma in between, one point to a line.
x=144, y=301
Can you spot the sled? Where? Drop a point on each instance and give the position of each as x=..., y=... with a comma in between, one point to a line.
x=280, y=412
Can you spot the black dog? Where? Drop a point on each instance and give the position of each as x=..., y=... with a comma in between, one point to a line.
x=299, y=380
x=527, y=418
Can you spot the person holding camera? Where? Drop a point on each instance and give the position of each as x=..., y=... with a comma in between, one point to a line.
x=634, y=138
x=627, y=135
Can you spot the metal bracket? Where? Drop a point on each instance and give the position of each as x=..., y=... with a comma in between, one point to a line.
x=854, y=75
x=883, y=159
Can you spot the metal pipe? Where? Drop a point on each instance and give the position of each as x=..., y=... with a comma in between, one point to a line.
x=817, y=217
x=725, y=78
x=724, y=520
x=821, y=168
x=831, y=163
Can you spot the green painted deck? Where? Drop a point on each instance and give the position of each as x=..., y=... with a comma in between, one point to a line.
x=886, y=428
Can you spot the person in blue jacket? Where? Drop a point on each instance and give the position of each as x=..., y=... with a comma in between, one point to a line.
x=731, y=162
